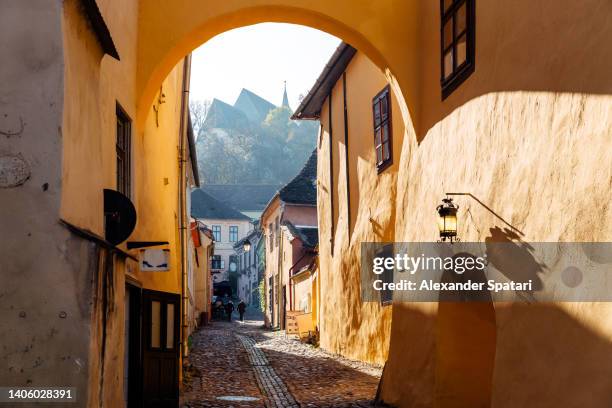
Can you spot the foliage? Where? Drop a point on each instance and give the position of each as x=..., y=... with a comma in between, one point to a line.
x=198, y=111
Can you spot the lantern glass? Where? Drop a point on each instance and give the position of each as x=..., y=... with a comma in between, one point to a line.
x=448, y=225
x=447, y=220
x=247, y=246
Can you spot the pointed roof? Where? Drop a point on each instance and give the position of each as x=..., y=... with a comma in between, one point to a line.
x=223, y=115
x=253, y=106
x=302, y=189
x=285, y=99
x=204, y=206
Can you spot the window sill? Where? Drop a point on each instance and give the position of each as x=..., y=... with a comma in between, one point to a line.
x=384, y=166
x=452, y=83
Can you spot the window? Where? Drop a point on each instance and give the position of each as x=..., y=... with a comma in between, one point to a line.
x=271, y=236
x=124, y=151
x=381, y=106
x=216, y=230
x=233, y=233
x=457, y=43
x=217, y=262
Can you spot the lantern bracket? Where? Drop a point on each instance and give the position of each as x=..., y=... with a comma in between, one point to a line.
x=488, y=209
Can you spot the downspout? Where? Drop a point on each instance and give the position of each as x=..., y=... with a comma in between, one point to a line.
x=182, y=159
x=279, y=269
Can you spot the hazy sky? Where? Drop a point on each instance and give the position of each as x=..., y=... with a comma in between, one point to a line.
x=260, y=58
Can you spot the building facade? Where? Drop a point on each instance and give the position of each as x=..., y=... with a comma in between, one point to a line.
x=489, y=130
x=295, y=203
x=248, y=267
x=249, y=199
x=523, y=123
x=203, y=243
x=228, y=226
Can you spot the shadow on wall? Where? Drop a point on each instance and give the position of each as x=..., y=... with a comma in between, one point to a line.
x=514, y=259
x=465, y=339
x=459, y=353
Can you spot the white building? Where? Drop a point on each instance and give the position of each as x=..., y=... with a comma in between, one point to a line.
x=228, y=227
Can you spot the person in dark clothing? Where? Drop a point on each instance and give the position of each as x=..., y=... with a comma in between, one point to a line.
x=229, y=308
x=241, y=309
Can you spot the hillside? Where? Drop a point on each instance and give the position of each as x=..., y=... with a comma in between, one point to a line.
x=251, y=142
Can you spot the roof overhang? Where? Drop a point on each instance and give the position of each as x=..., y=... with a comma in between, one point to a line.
x=100, y=28
x=193, y=157
x=310, y=108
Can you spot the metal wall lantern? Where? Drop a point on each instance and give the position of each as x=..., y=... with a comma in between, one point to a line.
x=246, y=245
x=447, y=220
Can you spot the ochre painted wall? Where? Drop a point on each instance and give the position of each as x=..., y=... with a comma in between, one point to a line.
x=529, y=134
x=94, y=84
x=385, y=30
x=353, y=328
x=540, y=157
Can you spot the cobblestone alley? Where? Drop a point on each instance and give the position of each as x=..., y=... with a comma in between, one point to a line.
x=240, y=364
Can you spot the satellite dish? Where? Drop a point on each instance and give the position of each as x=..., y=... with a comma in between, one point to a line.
x=119, y=217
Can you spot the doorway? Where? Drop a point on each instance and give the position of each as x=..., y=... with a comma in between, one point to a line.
x=160, y=349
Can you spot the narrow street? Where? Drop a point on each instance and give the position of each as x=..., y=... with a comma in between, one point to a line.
x=240, y=364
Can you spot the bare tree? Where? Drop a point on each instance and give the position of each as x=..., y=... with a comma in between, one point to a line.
x=198, y=110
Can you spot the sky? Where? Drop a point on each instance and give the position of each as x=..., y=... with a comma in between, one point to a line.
x=260, y=58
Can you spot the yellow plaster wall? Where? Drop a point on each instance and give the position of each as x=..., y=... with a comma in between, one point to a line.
x=385, y=30
x=542, y=161
x=93, y=84
x=203, y=278
x=529, y=134
x=155, y=179
x=302, y=288
x=355, y=329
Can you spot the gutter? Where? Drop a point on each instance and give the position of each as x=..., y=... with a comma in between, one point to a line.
x=344, y=51
x=192, y=150
x=183, y=230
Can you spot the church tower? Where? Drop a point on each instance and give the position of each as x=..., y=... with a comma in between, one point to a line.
x=285, y=99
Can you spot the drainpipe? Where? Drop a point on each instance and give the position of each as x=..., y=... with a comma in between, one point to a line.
x=182, y=160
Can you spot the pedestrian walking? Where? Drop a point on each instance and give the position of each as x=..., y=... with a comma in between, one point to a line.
x=229, y=308
x=241, y=309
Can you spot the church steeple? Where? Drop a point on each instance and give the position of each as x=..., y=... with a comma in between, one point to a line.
x=285, y=99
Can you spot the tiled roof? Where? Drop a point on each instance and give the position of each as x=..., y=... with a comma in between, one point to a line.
x=223, y=115
x=253, y=106
x=203, y=206
x=302, y=189
x=243, y=197
x=308, y=235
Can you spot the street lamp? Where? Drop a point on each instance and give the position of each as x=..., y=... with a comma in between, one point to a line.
x=246, y=245
x=447, y=220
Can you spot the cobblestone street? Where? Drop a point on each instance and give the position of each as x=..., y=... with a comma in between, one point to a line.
x=239, y=364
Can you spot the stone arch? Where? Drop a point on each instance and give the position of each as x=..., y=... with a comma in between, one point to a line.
x=168, y=31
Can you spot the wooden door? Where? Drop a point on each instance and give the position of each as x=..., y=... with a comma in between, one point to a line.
x=161, y=318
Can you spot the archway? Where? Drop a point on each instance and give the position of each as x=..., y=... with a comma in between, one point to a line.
x=167, y=32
